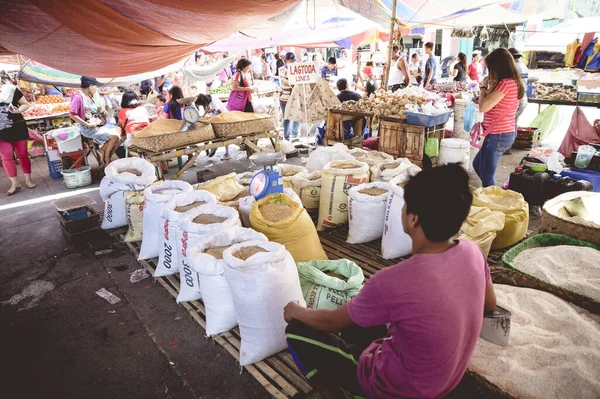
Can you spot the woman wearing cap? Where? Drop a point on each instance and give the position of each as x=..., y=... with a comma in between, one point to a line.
x=500, y=94
x=91, y=119
x=13, y=133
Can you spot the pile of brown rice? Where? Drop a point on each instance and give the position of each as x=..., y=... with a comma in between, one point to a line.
x=216, y=252
x=132, y=171
x=246, y=252
x=207, y=218
x=185, y=208
x=373, y=191
x=275, y=212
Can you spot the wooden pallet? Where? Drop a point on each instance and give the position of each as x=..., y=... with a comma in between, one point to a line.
x=277, y=374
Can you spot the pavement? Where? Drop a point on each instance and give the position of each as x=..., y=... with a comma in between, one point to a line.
x=60, y=339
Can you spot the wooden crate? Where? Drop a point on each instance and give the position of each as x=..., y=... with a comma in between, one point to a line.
x=335, y=127
x=398, y=138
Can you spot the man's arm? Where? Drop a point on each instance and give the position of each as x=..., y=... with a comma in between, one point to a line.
x=402, y=67
x=332, y=321
x=429, y=74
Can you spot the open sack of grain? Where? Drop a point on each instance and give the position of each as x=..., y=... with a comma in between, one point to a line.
x=245, y=205
x=337, y=178
x=323, y=155
x=134, y=213
x=328, y=284
x=170, y=215
x=371, y=158
x=207, y=260
x=308, y=187
x=283, y=220
x=515, y=209
x=388, y=170
x=225, y=187
x=481, y=227
x=122, y=175
x=395, y=242
x=156, y=197
x=553, y=350
x=197, y=222
x=366, y=211
x=263, y=279
x=288, y=172
x=585, y=226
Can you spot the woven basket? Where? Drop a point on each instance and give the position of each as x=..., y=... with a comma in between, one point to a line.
x=553, y=221
x=244, y=128
x=174, y=140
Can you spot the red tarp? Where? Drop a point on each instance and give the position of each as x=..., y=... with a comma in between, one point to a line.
x=123, y=37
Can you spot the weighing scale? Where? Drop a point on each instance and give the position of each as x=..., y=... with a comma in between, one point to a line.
x=190, y=113
x=267, y=181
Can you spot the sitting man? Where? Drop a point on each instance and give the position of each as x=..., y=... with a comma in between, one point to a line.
x=345, y=94
x=432, y=305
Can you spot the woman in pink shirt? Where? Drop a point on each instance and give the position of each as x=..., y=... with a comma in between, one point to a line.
x=412, y=329
x=475, y=68
x=500, y=95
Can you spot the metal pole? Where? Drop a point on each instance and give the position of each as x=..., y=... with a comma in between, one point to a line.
x=390, y=44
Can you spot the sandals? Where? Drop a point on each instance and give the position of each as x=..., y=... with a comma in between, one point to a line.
x=13, y=190
x=31, y=185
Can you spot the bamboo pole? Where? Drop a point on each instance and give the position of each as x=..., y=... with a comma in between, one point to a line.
x=390, y=45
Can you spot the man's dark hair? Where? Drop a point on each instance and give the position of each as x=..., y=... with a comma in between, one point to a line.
x=429, y=45
x=415, y=55
x=342, y=84
x=203, y=100
x=423, y=193
x=395, y=48
x=331, y=60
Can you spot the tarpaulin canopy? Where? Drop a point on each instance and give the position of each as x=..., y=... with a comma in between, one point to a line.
x=559, y=36
x=107, y=38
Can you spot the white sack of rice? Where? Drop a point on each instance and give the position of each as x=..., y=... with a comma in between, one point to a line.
x=567, y=266
x=553, y=350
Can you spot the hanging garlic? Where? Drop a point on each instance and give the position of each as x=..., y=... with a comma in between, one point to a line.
x=484, y=34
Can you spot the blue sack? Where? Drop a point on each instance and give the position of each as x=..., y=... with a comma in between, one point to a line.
x=469, y=117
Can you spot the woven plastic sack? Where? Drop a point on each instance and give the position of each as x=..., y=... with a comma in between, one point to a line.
x=288, y=172
x=337, y=178
x=322, y=290
x=168, y=259
x=297, y=231
x=225, y=187
x=366, y=213
x=387, y=171
x=261, y=287
x=245, y=205
x=481, y=227
x=156, y=197
x=308, y=187
x=216, y=294
x=120, y=170
x=323, y=155
x=371, y=158
x=515, y=209
x=134, y=205
x=188, y=234
x=395, y=242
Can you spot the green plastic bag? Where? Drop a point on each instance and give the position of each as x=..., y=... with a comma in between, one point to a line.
x=546, y=121
x=323, y=291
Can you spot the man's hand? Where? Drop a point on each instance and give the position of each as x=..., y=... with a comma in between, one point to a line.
x=290, y=310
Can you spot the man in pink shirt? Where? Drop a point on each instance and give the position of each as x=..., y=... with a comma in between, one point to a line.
x=432, y=305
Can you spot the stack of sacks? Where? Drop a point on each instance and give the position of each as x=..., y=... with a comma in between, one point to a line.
x=245, y=205
x=263, y=279
x=156, y=197
x=323, y=155
x=395, y=242
x=387, y=171
x=308, y=187
x=170, y=215
x=366, y=211
x=283, y=220
x=122, y=175
x=337, y=178
x=207, y=260
x=371, y=158
x=197, y=222
x=288, y=172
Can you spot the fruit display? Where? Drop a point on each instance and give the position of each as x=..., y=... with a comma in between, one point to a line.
x=61, y=109
x=50, y=100
x=36, y=112
x=555, y=92
x=387, y=103
x=220, y=90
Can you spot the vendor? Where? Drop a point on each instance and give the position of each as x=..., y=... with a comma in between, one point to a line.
x=172, y=109
x=50, y=90
x=329, y=70
x=344, y=93
x=13, y=133
x=92, y=119
x=413, y=327
x=208, y=104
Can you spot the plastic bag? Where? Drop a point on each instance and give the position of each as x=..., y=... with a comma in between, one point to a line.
x=225, y=187
x=481, y=227
x=297, y=231
x=321, y=290
x=515, y=209
x=387, y=171
x=470, y=116
x=323, y=155
x=261, y=287
x=216, y=294
x=366, y=213
x=395, y=242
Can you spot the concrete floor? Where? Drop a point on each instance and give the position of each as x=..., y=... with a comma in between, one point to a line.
x=61, y=340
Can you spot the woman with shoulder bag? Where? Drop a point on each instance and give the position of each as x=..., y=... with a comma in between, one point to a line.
x=240, y=98
x=500, y=94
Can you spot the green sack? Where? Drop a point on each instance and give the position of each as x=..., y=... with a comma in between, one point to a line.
x=323, y=291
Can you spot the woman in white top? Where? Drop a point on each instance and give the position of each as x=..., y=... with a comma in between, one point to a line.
x=399, y=76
